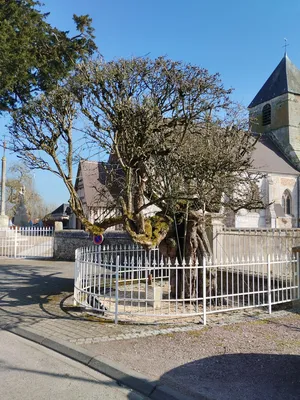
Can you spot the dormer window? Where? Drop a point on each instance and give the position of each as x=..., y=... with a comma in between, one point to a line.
x=266, y=115
x=287, y=202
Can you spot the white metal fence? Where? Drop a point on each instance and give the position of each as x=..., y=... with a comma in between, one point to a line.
x=26, y=242
x=128, y=280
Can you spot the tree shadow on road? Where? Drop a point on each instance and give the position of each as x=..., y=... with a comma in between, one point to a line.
x=25, y=290
x=22, y=286
x=238, y=377
x=227, y=377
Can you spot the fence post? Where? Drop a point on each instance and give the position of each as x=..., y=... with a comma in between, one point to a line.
x=77, y=279
x=117, y=290
x=15, y=247
x=204, y=290
x=269, y=285
x=298, y=275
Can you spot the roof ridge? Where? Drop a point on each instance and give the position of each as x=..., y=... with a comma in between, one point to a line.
x=91, y=161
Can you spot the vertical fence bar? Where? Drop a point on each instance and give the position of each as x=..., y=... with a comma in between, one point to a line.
x=269, y=285
x=204, y=290
x=76, y=278
x=298, y=275
x=117, y=290
x=15, y=243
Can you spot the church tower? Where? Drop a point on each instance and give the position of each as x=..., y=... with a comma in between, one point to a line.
x=275, y=110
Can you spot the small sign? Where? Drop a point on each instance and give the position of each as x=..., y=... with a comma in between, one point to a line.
x=98, y=239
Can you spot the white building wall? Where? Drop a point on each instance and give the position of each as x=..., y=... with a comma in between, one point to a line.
x=272, y=188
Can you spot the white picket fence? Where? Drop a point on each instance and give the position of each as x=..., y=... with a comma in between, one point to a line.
x=129, y=281
x=28, y=242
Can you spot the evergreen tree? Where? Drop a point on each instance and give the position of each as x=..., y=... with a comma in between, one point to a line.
x=35, y=55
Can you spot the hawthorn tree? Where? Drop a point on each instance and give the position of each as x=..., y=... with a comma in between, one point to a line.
x=176, y=143
x=35, y=55
x=176, y=139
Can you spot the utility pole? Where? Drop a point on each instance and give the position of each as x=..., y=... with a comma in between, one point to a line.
x=3, y=217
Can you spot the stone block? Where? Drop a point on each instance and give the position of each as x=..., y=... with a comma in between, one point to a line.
x=154, y=296
x=4, y=220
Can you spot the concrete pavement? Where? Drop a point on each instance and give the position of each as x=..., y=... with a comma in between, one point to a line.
x=156, y=360
x=32, y=372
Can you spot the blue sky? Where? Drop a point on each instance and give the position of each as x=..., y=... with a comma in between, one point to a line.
x=241, y=39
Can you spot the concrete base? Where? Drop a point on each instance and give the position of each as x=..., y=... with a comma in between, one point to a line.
x=58, y=226
x=4, y=220
x=154, y=293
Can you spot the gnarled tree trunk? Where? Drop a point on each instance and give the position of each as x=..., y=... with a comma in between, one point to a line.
x=192, y=244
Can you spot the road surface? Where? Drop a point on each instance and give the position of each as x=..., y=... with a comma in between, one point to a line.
x=29, y=371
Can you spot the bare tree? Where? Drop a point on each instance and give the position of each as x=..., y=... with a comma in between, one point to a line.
x=175, y=135
x=175, y=140
x=19, y=176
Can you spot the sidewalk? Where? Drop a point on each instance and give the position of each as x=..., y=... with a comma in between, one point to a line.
x=245, y=355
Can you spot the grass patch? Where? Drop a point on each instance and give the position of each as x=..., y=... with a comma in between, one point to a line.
x=170, y=335
x=261, y=322
x=231, y=328
x=56, y=298
x=199, y=332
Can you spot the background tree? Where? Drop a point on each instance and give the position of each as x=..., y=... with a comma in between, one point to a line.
x=45, y=133
x=174, y=138
x=35, y=55
x=19, y=176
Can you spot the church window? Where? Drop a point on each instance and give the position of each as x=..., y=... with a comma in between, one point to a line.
x=266, y=115
x=287, y=202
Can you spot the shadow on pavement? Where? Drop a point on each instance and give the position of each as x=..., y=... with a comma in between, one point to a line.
x=21, y=286
x=239, y=376
x=25, y=290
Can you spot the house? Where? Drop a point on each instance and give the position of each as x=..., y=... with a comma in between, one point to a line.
x=275, y=115
x=99, y=185
x=97, y=197
x=63, y=214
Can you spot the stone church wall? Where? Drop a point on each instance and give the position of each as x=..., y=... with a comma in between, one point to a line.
x=271, y=188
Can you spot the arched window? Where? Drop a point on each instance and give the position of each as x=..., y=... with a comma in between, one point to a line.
x=266, y=115
x=287, y=202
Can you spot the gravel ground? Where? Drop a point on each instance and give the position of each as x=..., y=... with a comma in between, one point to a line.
x=246, y=360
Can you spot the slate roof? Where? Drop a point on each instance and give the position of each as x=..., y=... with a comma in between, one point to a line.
x=284, y=79
x=94, y=180
x=63, y=210
x=268, y=158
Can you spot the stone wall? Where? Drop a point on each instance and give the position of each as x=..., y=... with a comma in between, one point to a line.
x=254, y=243
x=272, y=189
x=67, y=241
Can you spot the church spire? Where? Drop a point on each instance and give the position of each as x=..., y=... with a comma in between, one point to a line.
x=284, y=79
x=285, y=46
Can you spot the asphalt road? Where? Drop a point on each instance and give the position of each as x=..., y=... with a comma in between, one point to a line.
x=29, y=372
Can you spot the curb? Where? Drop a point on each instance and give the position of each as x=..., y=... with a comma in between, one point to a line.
x=124, y=376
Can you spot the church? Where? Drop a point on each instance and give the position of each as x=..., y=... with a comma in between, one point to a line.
x=275, y=115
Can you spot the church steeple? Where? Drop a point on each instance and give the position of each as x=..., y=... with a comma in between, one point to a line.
x=284, y=79
x=275, y=110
